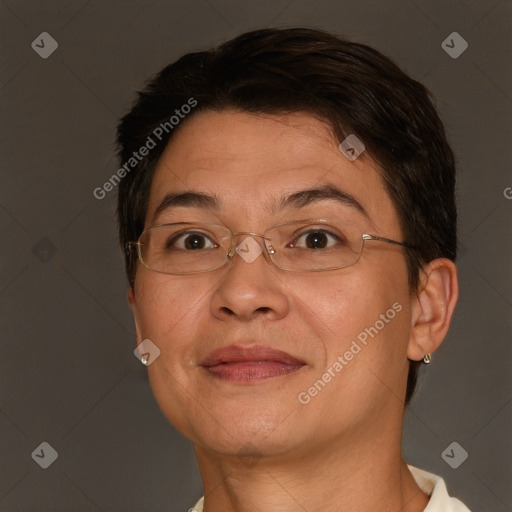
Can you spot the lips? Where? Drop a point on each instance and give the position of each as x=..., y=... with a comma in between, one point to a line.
x=244, y=364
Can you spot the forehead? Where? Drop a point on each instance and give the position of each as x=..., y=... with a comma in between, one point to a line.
x=251, y=161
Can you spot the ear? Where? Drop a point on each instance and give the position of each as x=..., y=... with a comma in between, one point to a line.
x=432, y=308
x=133, y=305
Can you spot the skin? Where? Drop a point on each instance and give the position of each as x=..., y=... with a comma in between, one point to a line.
x=257, y=446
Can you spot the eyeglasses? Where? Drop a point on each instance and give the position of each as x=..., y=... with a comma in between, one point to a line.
x=298, y=246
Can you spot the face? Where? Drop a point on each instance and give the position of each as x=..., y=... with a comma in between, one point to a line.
x=258, y=358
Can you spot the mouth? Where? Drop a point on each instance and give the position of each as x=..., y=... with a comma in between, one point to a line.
x=247, y=364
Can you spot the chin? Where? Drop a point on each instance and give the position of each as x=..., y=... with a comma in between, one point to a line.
x=245, y=433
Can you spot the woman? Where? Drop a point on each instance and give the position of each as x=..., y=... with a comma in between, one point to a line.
x=287, y=210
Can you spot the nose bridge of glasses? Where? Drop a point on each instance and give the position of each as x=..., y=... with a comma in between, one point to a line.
x=250, y=233
x=249, y=248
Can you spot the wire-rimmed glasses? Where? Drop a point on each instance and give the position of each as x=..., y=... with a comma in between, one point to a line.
x=297, y=246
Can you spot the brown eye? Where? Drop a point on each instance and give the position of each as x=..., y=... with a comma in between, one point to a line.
x=316, y=239
x=194, y=242
x=190, y=242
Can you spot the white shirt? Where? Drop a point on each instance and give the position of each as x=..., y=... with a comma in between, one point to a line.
x=429, y=483
x=434, y=486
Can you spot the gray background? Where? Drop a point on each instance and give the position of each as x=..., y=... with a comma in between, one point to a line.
x=67, y=370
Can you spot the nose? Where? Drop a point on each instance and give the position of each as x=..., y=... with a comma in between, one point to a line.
x=250, y=286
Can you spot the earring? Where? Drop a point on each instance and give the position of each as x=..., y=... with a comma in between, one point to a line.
x=427, y=358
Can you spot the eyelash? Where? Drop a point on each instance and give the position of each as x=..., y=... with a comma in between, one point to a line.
x=316, y=230
x=182, y=236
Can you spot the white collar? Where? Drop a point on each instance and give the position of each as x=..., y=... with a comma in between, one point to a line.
x=434, y=486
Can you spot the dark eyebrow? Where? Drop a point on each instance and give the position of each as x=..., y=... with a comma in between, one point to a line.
x=306, y=197
x=188, y=199
x=294, y=200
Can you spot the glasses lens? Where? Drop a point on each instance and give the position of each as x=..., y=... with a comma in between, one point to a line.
x=184, y=248
x=307, y=247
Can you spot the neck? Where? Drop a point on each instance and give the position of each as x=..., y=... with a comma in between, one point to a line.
x=345, y=475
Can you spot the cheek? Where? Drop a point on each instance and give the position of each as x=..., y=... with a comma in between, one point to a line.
x=167, y=313
x=368, y=304
x=380, y=304
x=163, y=305
x=344, y=302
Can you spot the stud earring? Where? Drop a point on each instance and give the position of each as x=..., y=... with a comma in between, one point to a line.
x=427, y=358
